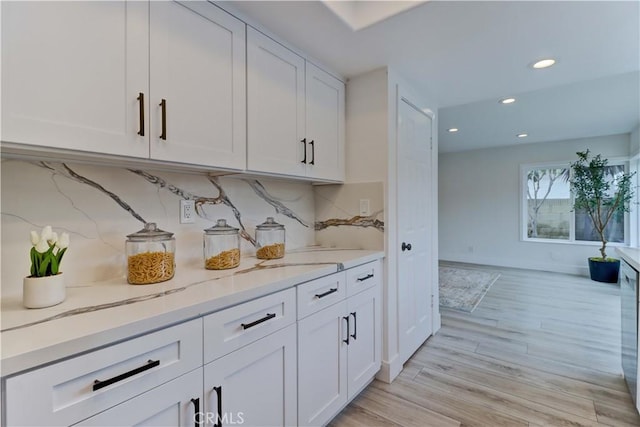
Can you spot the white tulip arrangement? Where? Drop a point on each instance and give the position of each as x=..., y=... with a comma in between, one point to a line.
x=47, y=252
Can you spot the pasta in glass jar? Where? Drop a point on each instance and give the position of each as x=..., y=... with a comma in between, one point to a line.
x=150, y=255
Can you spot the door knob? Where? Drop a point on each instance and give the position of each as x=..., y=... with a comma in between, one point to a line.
x=406, y=246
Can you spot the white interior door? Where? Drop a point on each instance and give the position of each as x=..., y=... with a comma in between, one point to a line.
x=414, y=226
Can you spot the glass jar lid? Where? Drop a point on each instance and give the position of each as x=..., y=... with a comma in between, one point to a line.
x=221, y=227
x=150, y=232
x=270, y=224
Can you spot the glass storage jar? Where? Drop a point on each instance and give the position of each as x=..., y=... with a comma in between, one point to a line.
x=150, y=255
x=221, y=246
x=270, y=240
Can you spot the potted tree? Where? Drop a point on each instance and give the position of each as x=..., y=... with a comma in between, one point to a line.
x=601, y=195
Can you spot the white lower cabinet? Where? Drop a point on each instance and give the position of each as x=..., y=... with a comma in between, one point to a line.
x=294, y=357
x=255, y=385
x=364, y=349
x=322, y=365
x=176, y=403
x=339, y=351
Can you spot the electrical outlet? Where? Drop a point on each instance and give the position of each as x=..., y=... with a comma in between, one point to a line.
x=365, y=210
x=187, y=211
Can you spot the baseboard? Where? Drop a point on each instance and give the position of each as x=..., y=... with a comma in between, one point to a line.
x=437, y=323
x=581, y=270
x=389, y=370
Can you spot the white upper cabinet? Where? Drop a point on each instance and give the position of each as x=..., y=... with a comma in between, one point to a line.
x=163, y=80
x=275, y=107
x=295, y=118
x=72, y=73
x=198, y=77
x=182, y=82
x=325, y=124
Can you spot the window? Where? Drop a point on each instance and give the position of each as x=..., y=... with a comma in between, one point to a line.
x=547, y=206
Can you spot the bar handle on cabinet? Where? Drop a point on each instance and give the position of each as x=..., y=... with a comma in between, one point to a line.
x=348, y=336
x=367, y=277
x=141, y=110
x=196, y=411
x=313, y=152
x=163, y=106
x=257, y=322
x=97, y=384
x=324, y=294
x=355, y=326
x=304, y=145
x=218, y=391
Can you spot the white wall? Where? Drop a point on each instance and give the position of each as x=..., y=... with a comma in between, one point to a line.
x=371, y=156
x=635, y=142
x=479, y=205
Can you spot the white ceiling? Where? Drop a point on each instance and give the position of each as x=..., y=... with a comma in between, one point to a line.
x=469, y=54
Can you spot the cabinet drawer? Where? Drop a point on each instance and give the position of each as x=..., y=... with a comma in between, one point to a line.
x=363, y=277
x=171, y=404
x=235, y=327
x=320, y=293
x=72, y=390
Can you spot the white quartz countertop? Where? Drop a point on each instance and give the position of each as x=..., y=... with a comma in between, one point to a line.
x=631, y=255
x=103, y=313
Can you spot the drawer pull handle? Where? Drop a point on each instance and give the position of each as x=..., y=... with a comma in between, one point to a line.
x=367, y=277
x=329, y=292
x=141, y=106
x=257, y=322
x=196, y=411
x=313, y=153
x=97, y=384
x=218, y=391
x=355, y=326
x=347, y=340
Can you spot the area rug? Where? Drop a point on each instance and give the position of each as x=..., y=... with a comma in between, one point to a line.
x=463, y=289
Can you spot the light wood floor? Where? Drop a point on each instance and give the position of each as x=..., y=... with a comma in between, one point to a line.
x=541, y=349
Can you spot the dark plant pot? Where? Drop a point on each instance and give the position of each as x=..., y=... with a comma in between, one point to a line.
x=604, y=271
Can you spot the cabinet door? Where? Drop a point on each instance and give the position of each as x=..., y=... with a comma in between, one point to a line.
x=175, y=403
x=322, y=365
x=255, y=385
x=275, y=103
x=72, y=73
x=198, y=69
x=365, y=339
x=325, y=124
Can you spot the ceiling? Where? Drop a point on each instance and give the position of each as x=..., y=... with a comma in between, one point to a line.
x=470, y=54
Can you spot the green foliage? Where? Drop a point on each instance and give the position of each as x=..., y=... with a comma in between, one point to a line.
x=47, y=252
x=598, y=193
x=47, y=263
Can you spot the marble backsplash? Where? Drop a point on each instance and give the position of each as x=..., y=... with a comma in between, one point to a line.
x=339, y=222
x=98, y=206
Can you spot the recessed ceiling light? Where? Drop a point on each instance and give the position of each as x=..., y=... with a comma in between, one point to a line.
x=453, y=130
x=522, y=135
x=544, y=63
x=507, y=100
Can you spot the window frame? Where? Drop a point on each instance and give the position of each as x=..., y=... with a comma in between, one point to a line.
x=524, y=210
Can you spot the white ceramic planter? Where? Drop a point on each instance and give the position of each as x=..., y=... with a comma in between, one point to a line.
x=40, y=292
